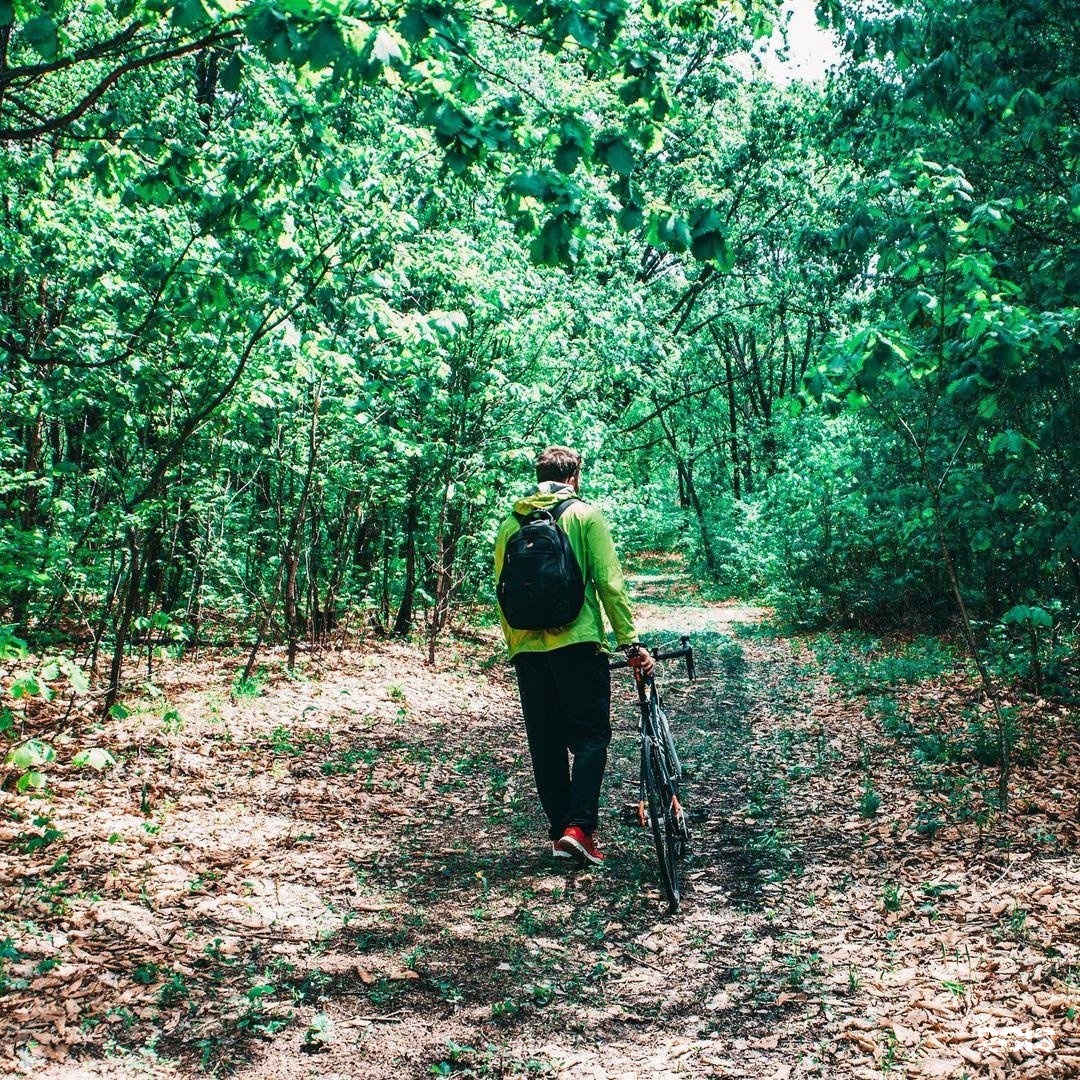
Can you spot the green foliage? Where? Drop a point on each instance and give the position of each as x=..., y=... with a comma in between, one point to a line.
x=863, y=664
x=287, y=308
x=891, y=897
x=870, y=802
x=252, y=686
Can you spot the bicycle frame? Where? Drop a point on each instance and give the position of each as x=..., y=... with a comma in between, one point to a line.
x=661, y=773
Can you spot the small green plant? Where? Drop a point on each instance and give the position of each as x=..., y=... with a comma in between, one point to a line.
x=94, y=757
x=936, y=889
x=9, y=954
x=861, y=663
x=505, y=1010
x=255, y=1019
x=449, y=991
x=870, y=801
x=888, y=1053
x=1014, y=927
x=528, y=922
x=145, y=974
x=32, y=842
x=928, y=820
x=30, y=757
x=799, y=968
x=457, y=1058
x=172, y=723
x=893, y=719
x=932, y=748
x=281, y=741
x=891, y=896
x=173, y=990
x=385, y=992
x=252, y=686
x=320, y=1033
x=346, y=762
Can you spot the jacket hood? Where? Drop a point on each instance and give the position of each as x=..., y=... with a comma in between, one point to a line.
x=546, y=495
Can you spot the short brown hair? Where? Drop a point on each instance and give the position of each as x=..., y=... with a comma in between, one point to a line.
x=557, y=463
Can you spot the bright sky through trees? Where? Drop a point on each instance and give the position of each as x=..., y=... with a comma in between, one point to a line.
x=810, y=51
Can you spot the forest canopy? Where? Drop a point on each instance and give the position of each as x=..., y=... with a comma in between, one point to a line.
x=291, y=294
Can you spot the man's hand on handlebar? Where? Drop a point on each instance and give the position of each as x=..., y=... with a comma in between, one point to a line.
x=637, y=656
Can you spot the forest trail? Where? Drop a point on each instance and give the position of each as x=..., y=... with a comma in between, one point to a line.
x=342, y=874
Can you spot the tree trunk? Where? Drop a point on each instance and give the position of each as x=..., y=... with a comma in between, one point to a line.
x=292, y=610
x=123, y=623
x=733, y=427
x=406, y=613
x=449, y=539
x=711, y=563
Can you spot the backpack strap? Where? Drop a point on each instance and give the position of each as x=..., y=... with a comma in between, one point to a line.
x=555, y=512
x=560, y=507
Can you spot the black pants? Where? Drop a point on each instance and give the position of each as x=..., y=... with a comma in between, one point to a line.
x=566, y=699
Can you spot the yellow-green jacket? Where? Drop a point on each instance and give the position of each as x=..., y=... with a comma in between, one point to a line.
x=590, y=538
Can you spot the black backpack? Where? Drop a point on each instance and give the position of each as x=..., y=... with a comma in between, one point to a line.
x=540, y=587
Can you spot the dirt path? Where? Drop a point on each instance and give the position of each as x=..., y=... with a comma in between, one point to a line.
x=344, y=876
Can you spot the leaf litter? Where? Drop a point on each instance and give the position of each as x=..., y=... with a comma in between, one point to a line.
x=346, y=875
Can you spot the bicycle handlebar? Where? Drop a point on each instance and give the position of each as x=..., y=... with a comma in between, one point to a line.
x=685, y=650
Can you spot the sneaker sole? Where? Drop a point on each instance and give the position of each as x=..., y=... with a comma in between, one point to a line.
x=559, y=853
x=574, y=849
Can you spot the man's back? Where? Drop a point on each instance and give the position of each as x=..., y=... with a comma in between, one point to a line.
x=592, y=544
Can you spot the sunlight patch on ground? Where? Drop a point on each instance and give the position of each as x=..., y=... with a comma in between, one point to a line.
x=689, y=619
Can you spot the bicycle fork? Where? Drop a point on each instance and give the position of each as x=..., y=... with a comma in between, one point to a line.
x=673, y=811
x=678, y=815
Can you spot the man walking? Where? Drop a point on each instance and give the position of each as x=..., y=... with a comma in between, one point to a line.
x=562, y=670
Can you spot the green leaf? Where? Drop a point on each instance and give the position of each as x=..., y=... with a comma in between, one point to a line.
x=1041, y=617
x=264, y=26
x=30, y=754
x=1010, y=442
x=710, y=239
x=531, y=184
x=229, y=79
x=32, y=780
x=670, y=231
x=325, y=45
x=414, y=26
x=27, y=686
x=41, y=36
x=119, y=712
x=567, y=156
x=617, y=153
x=553, y=244
x=1028, y=616
x=94, y=758
x=631, y=218
x=385, y=47
x=189, y=13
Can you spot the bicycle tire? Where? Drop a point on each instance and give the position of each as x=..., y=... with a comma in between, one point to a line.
x=662, y=789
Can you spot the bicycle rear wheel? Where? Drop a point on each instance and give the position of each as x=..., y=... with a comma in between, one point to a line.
x=665, y=816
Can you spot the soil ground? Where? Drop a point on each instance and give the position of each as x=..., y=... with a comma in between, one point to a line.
x=342, y=873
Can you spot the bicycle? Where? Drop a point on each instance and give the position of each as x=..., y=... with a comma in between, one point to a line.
x=659, y=805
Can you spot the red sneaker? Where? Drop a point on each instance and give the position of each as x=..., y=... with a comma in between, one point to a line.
x=574, y=841
x=558, y=851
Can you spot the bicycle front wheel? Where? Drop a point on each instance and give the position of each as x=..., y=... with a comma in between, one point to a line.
x=665, y=817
